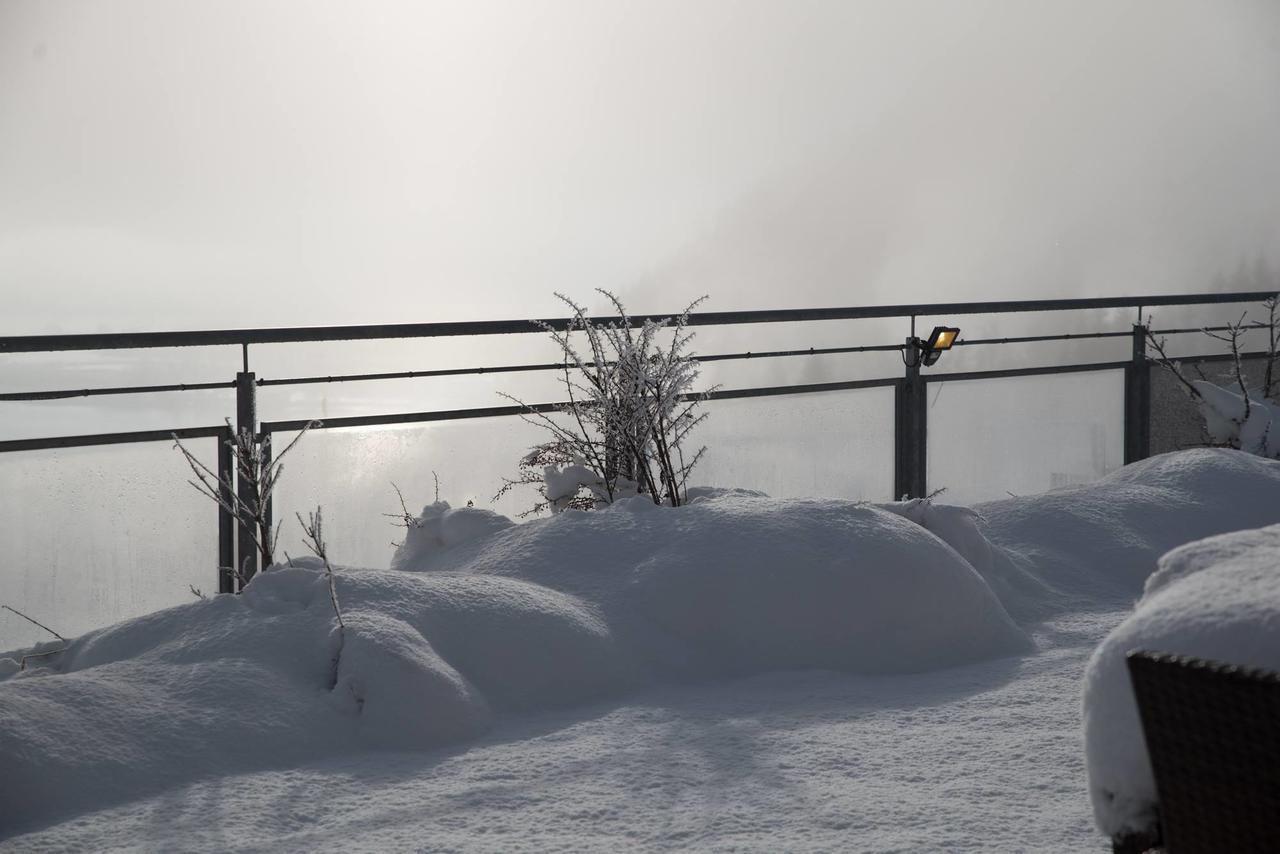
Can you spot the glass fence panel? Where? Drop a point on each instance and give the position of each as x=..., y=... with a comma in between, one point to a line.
x=90, y=536
x=1023, y=435
x=837, y=444
x=350, y=472
x=828, y=445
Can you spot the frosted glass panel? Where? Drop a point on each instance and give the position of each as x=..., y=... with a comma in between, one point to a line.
x=831, y=445
x=349, y=471
x=834, y=444
x=1023, y=435
x=90, y=536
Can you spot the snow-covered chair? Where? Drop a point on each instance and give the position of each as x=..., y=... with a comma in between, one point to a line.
x=1213, y=735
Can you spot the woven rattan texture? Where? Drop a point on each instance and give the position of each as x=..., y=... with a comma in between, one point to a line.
x=1213, y=734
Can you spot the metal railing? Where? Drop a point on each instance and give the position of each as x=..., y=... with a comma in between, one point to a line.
x=910, y=388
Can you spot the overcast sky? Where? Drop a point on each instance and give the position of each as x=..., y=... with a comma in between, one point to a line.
x=179, y=164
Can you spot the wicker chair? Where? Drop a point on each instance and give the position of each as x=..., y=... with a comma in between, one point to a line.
x=1213, y=734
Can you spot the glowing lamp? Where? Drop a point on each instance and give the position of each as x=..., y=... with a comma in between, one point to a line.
x=940, y=340
x=929, y=351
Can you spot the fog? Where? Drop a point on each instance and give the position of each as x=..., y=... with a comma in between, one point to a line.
x=235, y=164
x=232, y=164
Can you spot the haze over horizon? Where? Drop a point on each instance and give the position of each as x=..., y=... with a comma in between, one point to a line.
x=241, y=164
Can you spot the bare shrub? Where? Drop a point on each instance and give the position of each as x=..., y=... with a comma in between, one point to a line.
x=256, y=468
x=1238, y=417
x=631, y=409
x=313, y=538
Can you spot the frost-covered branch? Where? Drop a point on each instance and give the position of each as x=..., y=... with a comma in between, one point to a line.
x=34, y=622
x=630, y=408
x=22, y=665
x=1240, y=418
x=259, y=473
x=313, y=538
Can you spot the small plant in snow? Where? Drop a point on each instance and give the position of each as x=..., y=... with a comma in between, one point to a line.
x=1238, y=417
x=631, y=407
x=313, y=538
x=255, y=467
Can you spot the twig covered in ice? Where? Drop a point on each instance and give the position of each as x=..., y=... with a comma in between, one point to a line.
x=34, y=622
x=257, y=470
x=631, y=406
x=22, y=665
x=1243, y=420
x=313, y=538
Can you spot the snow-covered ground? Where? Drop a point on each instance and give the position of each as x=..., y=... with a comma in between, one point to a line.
x=985, y=757
x=742, y=673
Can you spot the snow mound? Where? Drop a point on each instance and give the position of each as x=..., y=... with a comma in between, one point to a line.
x=403, y=693
x=1219, y=599
x=500, y=618
x=264, y=679
x=441, y=527
x=1100, y=541
x=737, y=583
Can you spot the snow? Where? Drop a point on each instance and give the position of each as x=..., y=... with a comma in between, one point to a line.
x=738, y=584
x=1086, y=543
x=982, y=757
x=1228, y=419
x=440, y=527
x=739, y=672
x=1217, y=598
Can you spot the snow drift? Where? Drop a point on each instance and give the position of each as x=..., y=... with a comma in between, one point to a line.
x=482, y=617
x=256, y=680
x=1098, y=542
x=1218, y=598
x=739, y=583
x=496, y=618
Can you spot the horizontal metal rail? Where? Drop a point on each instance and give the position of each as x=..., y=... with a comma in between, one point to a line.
x=59, y=394
x=1024, y=339
x=275, y=335
x=1221, y=357
x=1072, y=336
x=112, y=438
x=1245, y=326
x=524, y=409
x=501, y=411
x=63, y=394
x=560, y=366
x=960, y=376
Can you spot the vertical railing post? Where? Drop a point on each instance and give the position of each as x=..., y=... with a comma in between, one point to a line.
x=246, y=423
x=910, y=435
x=1137, y=400
x=226, y=522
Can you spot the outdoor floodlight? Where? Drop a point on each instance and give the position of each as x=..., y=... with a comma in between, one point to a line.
x=928, y=352
x=940, y=339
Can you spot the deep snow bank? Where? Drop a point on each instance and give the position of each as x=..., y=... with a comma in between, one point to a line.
x=250, y=681
x=497, y=617
x=1100, y=541
x=508, y=618
x=1218, y=598
x=741, y=583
